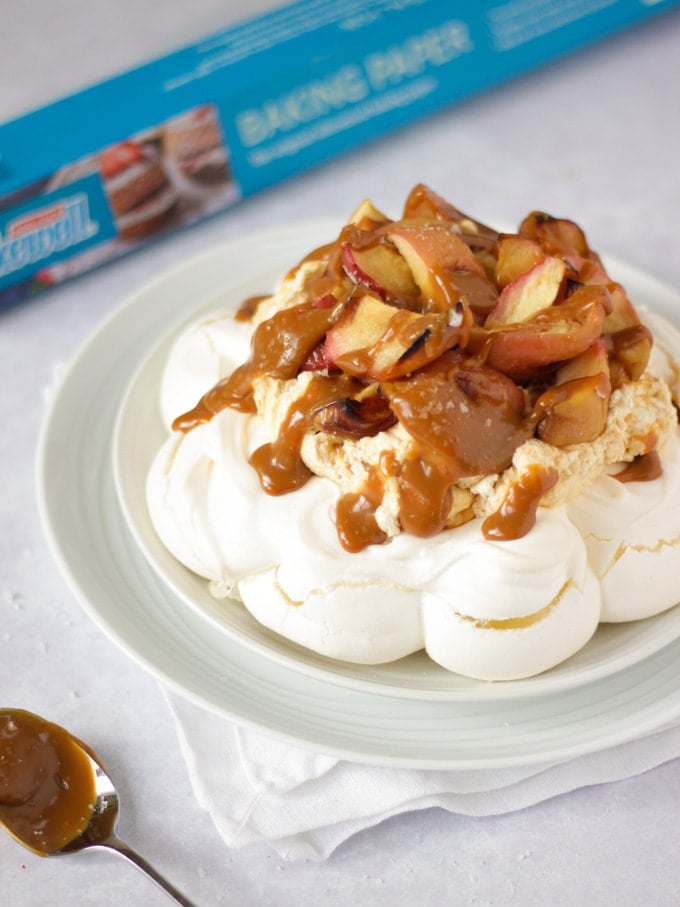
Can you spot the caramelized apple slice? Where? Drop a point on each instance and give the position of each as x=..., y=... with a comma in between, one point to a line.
x=367, y=216
x=630, y=351
x=555, y=334
x=559, y=236
x=363, y=322
x=533, y=291
x=433, y=252
x=623, y=313
x=629, y=342
x=423, y=202
x=575, y=409
x=556, y=235
x=376, y=340
x=516, y=256
x=380, y=268
x=412, y=341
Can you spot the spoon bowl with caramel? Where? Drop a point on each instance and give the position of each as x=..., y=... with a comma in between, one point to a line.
x=56, y=797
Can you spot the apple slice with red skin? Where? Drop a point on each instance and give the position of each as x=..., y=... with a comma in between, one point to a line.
x=516, y=256
x=575, y=409
x=363, y=322
x=434, y=251
x=537, y=289
x=554, y=335
x=317, y=360
x=380, y=268
x=559, y=236
x=423, y=204
x=379, y=341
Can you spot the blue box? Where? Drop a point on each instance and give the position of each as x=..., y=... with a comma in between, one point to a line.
x=191, y=133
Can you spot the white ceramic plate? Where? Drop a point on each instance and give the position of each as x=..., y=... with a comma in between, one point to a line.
x=408, y=714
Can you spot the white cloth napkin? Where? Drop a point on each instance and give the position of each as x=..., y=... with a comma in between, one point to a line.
x=304, y=805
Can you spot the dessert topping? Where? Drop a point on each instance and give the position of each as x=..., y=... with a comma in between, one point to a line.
x=472, y=341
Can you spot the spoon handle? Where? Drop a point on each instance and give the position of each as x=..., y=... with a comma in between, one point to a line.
x=120, y=847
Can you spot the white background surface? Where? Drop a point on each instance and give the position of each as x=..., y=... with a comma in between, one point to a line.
x=595, y=137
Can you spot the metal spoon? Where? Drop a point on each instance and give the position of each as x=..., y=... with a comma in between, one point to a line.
x=39, y=758
x=101, y=832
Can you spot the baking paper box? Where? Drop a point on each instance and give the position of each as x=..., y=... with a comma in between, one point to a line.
x=101, y=172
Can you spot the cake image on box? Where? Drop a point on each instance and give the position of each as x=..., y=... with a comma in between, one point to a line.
x=138, y=189
x=195, y=144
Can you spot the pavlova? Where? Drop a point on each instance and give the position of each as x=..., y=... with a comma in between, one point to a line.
x=433, y=435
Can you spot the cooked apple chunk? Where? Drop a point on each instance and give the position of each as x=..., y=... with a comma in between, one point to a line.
x=378, y=341
x=536, y=289
x=575, y=408
x=380, y=268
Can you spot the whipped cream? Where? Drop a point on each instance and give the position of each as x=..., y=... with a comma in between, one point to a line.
x=489, y=610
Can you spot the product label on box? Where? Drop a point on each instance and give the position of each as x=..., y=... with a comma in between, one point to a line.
x=281, y=124
x=191, y=133
x=52, y=227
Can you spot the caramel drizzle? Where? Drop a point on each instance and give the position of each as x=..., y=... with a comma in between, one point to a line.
x=516, y=515
x=279, y=347
x=644, y=468
x=278, y=463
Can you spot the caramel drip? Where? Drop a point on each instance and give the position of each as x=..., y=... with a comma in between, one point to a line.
x=279, y=347
x=357, y=525
x=47, y=786
x=644, y=468
x=278, y=463
x=517, y=513
x=248, y=308
x=425, y=486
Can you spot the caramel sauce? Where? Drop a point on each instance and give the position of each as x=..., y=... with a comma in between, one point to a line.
x=279, y=347
x=644, y=468
x=355, y=512
x=425, y=486
x=517, y=513
x=479, y=293
x=470, y=417
x=278, y=463
x=464, y=421
x=248, y=308
x=355, y=515
x=47, y=786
